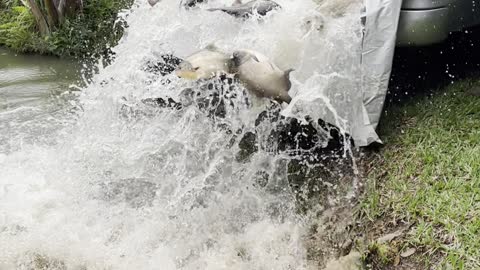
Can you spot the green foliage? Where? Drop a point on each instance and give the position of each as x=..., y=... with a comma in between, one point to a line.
x=8, y=3
x=89, y=34
x=17, y=28
x=92, y=32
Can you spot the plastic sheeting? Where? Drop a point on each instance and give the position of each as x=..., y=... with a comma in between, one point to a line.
x=381, y=23
x=352, y=96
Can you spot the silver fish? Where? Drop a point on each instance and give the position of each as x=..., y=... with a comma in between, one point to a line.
x=260, y=76
x=204, y=64
x=191, y=3
x=153, y=2
x=260, y=7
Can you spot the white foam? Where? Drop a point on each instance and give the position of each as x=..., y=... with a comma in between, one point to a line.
x=208, y=211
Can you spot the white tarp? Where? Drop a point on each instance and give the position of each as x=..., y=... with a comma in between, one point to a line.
x=381, y=25
x=351, y=93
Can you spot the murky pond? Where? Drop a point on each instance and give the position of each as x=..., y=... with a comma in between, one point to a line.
x=32, y=89
x=32, y=80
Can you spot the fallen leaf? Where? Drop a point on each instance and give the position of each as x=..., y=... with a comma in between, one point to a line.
x=396, y=262
x=350, y=262
x=389, y=237
x=407, y=253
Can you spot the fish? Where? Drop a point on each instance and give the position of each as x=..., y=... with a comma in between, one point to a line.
x=260, y=76
x=245, y=10
x=205, y=64
x=191, y=3
x=153, y=2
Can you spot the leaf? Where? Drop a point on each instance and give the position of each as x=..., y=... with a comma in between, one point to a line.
x=389, y=237
x=19, y=9
x=396, y=262
x=407, y=253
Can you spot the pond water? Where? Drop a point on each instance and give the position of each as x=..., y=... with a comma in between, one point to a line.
x=32, y=88
x=94, y=177
x=32, y=80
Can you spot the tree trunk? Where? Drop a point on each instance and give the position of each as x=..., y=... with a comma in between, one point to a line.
x=39, y=18
x=57, y=10
x=60, y=4
x=52, y=13
x=68, y=8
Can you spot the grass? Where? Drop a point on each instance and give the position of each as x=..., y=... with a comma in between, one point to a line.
x=427, y=179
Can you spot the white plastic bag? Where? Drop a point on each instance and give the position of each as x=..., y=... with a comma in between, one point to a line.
x=381, y=23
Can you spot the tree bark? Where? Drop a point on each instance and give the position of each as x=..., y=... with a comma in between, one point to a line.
x=68, y=8
x=57, y=10
x=52, y=13
x=60, y=4
x=39, y=18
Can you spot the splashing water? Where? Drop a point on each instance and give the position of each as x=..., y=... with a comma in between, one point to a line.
x=110, y=182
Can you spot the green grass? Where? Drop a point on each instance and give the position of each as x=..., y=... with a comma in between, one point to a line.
x=428, y=175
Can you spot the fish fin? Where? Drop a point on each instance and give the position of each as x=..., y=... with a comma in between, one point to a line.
x=239, y=58
x=287, y=73
x=287, y=78
x=152, y=2
x=288, y=99
x=254, y=58
x=237, y=3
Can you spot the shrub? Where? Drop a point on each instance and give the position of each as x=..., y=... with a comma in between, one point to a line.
x=88, y=34
x=17, y=29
